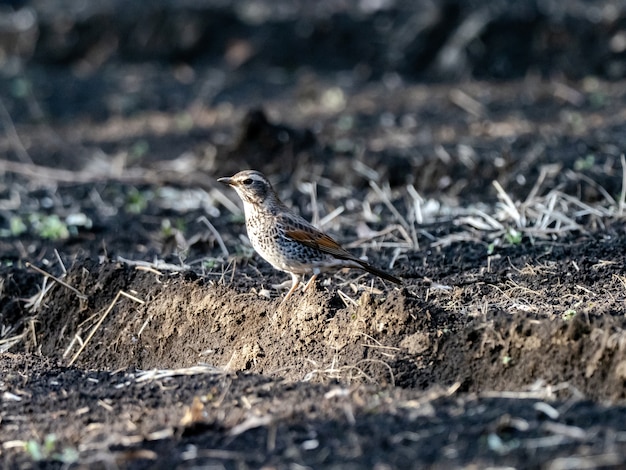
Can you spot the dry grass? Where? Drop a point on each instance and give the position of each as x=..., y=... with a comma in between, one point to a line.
x=83, y=343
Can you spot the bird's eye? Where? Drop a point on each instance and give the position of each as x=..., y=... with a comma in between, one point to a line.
x=247, y=181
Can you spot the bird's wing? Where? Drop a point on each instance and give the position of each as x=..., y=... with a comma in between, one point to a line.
x=301, y=231
x=314, y=238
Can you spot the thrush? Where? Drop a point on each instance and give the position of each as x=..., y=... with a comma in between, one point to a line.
x=287, y=241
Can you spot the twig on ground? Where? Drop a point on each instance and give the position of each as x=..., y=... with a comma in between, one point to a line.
x=78, y=293
x=156, y=265
x=58, y=257
x=467, y=103
x=389, y=205
x=347, y=300
x=219, y=195
x=104, y=316
x=381, y=233
x=418, y=216
x=331, y=216
x=158, y=374
x=580, y=176
x=216, y=234
x=509, y=206
x=8, y=343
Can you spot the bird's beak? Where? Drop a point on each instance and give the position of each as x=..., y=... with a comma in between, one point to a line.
x=226, y=180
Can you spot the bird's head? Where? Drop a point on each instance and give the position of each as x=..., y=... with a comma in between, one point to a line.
x=252, y=186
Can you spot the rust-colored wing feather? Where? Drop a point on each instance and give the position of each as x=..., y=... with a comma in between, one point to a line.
x=313, y=238
x=319, y=241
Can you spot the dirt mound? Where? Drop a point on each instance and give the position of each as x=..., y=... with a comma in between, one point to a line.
x=500, y=330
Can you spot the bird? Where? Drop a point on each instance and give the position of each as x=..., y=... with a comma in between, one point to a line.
x=286, y=240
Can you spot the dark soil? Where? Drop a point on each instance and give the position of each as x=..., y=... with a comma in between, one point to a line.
x=135, y=335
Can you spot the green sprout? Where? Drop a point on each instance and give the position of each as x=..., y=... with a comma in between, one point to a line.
x=50, y=227
x=586, y=163
x=167, y=230
x=16, y=227
x=47, y=450
x=514, y=237
x=569, y=314
x=209, y=263
x=137, y=201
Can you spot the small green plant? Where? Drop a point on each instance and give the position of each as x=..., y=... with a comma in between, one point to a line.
x=48, y=450
x=586, y=163
x=511, y=236
x=569, y=314
x=50, y=226
x=137, y=201
x=16, y=227
x=209, y=263
x=514, y=237
x=169, y=229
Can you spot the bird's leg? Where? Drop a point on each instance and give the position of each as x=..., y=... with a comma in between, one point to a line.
x=311, y=282
x=295, y=283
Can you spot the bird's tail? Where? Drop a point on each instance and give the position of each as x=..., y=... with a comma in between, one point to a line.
x=377, y=272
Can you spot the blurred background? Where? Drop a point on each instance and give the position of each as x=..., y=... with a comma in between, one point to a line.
x=62, y=58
